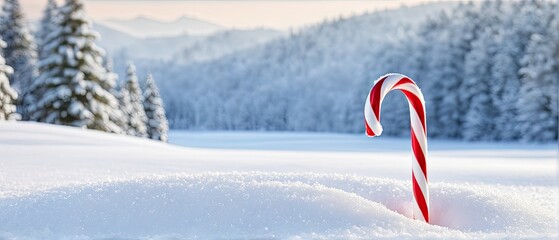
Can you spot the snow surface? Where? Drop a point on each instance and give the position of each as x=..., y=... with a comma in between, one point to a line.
x=68, y=183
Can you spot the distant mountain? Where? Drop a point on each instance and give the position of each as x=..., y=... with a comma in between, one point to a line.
x=112, y=39
x=182, y=48
x=144, y=27
x=159, y=48
x=225, y=42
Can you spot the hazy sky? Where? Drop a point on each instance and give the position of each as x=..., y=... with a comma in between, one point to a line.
x=240, y=14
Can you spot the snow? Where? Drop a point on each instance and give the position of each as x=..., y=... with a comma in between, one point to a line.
x=69, y=183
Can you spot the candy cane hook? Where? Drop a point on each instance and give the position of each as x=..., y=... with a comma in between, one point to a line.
x=416, y=102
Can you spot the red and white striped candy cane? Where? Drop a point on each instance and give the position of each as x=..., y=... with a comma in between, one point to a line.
x=416, y=102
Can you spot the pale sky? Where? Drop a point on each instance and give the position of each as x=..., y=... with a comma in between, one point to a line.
x=233, y=13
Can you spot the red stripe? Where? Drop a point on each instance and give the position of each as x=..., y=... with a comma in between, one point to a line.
x=375, y=98
x=418, y=153
x=368, y=129
x=420, y=199
x=417, y=106
x=403, y=81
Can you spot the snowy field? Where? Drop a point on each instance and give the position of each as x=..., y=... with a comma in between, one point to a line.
x=66, y=183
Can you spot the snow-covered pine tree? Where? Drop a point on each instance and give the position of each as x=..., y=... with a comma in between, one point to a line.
x=20, y=52
x=157, y=125
x=125, y=107
x=46, y=27
x=462, y=31
x=137, y=118
x=479, y=119
x=443, y=76
x=504, y=73
x=537, y=106
x=74, y=89
x=7, y=94
x=117, y=116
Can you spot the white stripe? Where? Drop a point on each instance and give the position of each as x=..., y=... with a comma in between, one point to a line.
x=419, y=176
x=417, y=210
x=388, y=84
x=426, y=196
x=417, y=214
x=418, y=130
x=412, y=88
x=374, y=124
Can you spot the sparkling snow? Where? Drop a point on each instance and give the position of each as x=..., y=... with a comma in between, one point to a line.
x=60, y=182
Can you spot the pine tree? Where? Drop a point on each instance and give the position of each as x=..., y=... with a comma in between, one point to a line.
x=46, y=27
x=479, y=119
x=506, y=83
x=20, y=50
x=476, y=89
x=157, y=125
x=137, y=118
x=7, y=94
x=73, y=87
x=444, y=77
x=117, y=116
x=125, y=107
x=463, y=33
x=537, y=108
x=44, y=36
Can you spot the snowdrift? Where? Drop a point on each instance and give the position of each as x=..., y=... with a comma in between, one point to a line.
x=269, y=205
x=156, y=200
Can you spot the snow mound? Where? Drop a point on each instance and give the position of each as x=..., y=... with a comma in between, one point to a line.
x=259, y=205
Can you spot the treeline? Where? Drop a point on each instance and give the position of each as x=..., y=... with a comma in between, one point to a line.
x=65, y=79
x=488, y=71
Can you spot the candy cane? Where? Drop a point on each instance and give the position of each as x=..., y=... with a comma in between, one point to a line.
x=400, y=82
